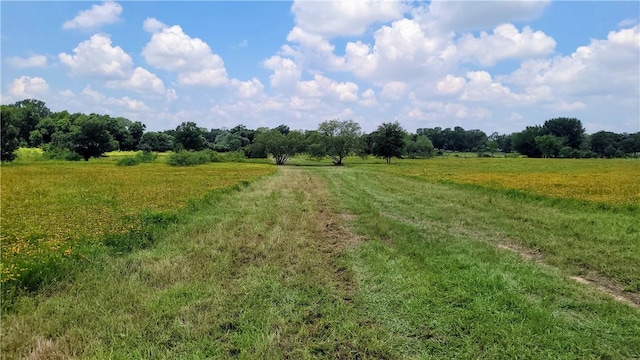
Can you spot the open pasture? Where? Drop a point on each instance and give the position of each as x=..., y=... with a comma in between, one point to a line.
x=49, y=207
x=601, y=181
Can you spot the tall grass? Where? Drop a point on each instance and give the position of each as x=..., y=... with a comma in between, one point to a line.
x=54, y=213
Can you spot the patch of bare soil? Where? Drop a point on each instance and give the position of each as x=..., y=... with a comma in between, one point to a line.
x=604, y=285
x=592, y=280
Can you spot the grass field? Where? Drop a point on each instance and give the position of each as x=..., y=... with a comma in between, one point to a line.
x=51, y=208
x=604, y=181
x=419, y=259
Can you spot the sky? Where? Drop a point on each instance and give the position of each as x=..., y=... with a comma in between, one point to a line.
x=497, y=66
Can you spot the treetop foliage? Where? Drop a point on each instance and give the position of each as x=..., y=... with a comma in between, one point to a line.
x=29, y=123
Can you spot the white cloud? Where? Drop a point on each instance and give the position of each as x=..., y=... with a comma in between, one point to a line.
x=125, y=102
x=97, y=58
x=401, y=52
x=311, y=50
x=213, y=76
x=31, y=61
x=28, y=87
x=368, y=98
x=171, y=49
x=506, y=42
x=603, y=68
x=107, y=13
x=394, y=90
x=481, y=87
x=153, y=25
x=141, y=80
x=451, y=84
x=171, y=95
x=335, y=18
x=321, y=87
x=67, y=93
x=248, y=89
x=285, y=72
x=459, y=16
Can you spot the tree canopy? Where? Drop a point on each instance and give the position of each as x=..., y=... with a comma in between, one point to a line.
x=388, y=141
x=72, y=136
x=279, y=145
x=338, y=139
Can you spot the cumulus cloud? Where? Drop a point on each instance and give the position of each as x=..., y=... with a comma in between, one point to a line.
x=171, y=49
x=394, y=90
x=401, y=52
x=31, y=61
x=96, y=57
x=460, y=16
x=286, y=72
x=141, y=80
x=28, y=87
x=604, y=67
x=311, y=50
x=248, y=89
x=321, y=87
x=153, y=25
x=451, y=84
x=368, y=98
x=482, y=87
x=336, y=18
x=506, y=42
x=125, y=102
x=107, y=13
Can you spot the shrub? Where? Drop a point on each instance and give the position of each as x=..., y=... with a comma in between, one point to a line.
x=128, y=161
x=189, y=158
x=146, y=156
x=55, y=153
x=235, y=156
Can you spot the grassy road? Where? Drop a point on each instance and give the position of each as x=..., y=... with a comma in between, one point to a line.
x=331, y=262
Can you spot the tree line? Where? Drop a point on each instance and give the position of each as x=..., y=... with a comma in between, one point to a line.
x=63, y=135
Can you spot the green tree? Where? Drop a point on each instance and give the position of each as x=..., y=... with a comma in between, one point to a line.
x=136, y=130
x=156, y=141
x=279, y=145
x=569, y=128
x=604, y=143
x=549, y=145
x=388, y=141
x=189, y=136
x=492, y=146
x=8, y=133
x=92, y=138
x=314, y=144
x=340, y=138
x=227, y=141
x=30, y=112
x=524, y=142
x=419, y=147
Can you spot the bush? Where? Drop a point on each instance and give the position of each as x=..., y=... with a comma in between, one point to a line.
x=146, y=156
x=190, y=158
x=236, y=156
x=128, y=161
x=61, y=154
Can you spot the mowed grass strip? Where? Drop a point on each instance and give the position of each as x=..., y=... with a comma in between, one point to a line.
x=432, y=272
x=48, y=207
x=261, y=273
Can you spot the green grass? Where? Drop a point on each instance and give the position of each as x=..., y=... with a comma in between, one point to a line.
x=350, y=262
x=433, y=275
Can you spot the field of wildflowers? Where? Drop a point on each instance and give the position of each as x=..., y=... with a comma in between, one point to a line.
x=605, y=181
x=50, y=208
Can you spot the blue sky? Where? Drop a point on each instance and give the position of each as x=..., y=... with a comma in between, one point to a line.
x=495, y=66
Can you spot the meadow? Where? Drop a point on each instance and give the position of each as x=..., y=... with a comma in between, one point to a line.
x=438, y=258
x=52, y=209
